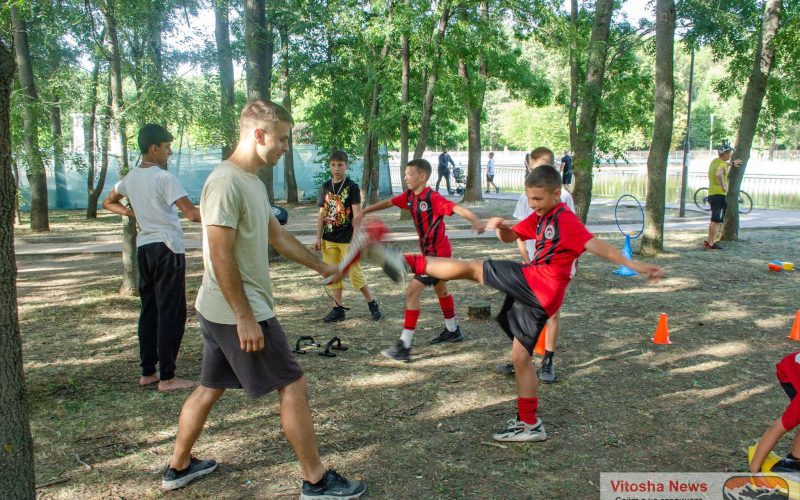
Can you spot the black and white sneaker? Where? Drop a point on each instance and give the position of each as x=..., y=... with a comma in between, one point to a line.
x=547, y=374
x=336, y=314
x=392, y=262
x=332, y=486
x=174, y=479
x=398, y=353
x=448, y=336
x=519, y=431
x=374, y=310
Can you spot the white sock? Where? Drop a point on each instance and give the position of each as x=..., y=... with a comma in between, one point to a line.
x=450, y=324
x=407, y=337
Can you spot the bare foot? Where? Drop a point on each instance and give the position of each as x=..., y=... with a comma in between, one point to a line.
x=149, y=379
x=176, y=384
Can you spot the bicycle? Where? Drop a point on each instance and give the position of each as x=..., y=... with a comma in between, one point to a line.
x=701, y=200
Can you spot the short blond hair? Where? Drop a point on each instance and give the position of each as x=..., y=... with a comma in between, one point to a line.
x=264, y=114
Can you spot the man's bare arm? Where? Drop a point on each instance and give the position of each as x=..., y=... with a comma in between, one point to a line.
x=290, y=247
x=188, y=209
x=113, y=203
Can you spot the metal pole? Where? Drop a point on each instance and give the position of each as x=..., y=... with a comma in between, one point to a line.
x=682, y=211
x=711, y=135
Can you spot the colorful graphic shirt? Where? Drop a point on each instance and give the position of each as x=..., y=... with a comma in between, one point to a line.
x=337, y=200
x=428, y=210
x=560, y=239
x=788, y=372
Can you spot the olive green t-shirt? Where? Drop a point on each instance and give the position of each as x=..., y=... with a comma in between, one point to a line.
x=713, y=184
x=237, y=199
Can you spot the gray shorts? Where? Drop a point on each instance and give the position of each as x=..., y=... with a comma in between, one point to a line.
x=227, y=366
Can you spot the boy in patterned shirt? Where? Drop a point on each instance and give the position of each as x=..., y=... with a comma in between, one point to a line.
x=339, y=201
x=534, y=291
x=428, y=209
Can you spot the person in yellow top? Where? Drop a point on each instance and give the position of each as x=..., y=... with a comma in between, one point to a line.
x=717, y=189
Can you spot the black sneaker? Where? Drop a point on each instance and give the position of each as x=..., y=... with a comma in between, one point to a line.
x=505, y=369
x=398, y=353
x=448, y=336
x=374, y=310
x=392, y=262
x=547, y=374
x=497, y=189
x=336, y=314
x=174, y=479
x=715, y=246
x=786, y=465
x=332, y=486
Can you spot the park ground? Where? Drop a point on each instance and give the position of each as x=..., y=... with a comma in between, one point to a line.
x=422, y=429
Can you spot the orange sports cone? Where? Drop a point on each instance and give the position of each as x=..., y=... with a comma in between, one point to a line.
x=662, y=331
x=795, y=333
x=540, y=344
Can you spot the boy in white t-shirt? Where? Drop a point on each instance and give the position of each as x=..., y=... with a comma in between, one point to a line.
x=537, y=157
x=490, y=174
x=154, y=194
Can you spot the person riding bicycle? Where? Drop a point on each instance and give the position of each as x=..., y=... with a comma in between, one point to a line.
x=718, y=172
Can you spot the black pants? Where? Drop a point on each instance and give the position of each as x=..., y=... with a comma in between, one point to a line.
x=162, y=288
x=446, y=176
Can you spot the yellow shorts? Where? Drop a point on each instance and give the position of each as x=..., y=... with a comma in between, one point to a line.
x=333, y=253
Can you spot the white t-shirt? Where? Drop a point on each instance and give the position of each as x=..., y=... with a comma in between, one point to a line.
x=153, y=193
x=523, y=211
x=490, y=167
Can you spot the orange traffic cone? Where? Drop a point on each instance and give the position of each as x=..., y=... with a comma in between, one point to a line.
x=540, y=344
x=795, y=333
x=662, y=331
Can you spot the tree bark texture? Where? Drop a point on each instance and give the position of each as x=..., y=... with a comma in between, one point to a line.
x=130, y=274
x=370, y=187
x=574, y=75
x=432, y=78
x=590, y=106
x=62, y=191
x=653, y=237
x=288, y=158
x=16, y=446
x=37, y=180
x=751, y=107
x=225, y=66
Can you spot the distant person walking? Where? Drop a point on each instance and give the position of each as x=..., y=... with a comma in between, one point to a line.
x=566, y=168
x=490, y=174
x=444, y=170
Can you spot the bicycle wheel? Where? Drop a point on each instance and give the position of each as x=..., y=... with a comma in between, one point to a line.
x=745, y=203
x=701, y=199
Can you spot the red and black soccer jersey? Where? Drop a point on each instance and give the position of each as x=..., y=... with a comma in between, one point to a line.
x=560, y=239
x=788, y=372
x=428, y=210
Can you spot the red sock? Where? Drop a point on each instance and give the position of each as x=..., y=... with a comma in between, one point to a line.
x=410, y=322
x=448, y=306
x=416, y=262
x=526, y=408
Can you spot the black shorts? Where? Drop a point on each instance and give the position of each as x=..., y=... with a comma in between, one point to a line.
x=718, y=207
x=227, y=366
x=490, y=178
x=789, y=389
x=522, y=316
x=566, y=177
x=426, y=280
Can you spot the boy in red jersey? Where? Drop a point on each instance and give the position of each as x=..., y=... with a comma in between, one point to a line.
x=428, y=209
x=788, y=374
x=534, y=291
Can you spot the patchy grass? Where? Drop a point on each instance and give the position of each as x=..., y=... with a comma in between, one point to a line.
x=419, y=430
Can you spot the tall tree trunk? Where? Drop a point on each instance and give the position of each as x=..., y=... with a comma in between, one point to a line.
x=433, y=76
x=370, y=188
x=258, y=45
x=130, y=274
x=37, y=181
x=574, y=75
x=474, y=91
x=17, y=479
x=405, y=61
x=590, y=106
x=89, y=146
x=62, y=190
x=653, y=238
x=288, y=158
x=225, y=66
x=751, y=107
